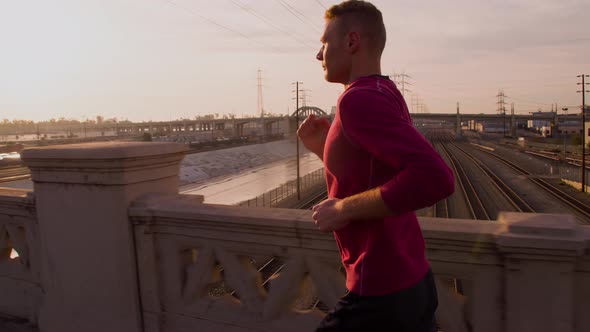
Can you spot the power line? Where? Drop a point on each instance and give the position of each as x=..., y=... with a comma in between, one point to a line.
x=529, y=102
x=269, y=22
x=321, y=4
x=403, y=76
x=293, y=12
x=220, y=25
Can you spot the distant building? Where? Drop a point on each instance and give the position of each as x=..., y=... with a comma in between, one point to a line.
x=542, y=126
x=566, y=128
x=493, y=127
x=573, y=126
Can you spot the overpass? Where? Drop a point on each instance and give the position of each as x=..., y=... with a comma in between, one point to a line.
x=239, y=127
x=267, y=122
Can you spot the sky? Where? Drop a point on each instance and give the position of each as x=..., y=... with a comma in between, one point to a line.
x=160, y=60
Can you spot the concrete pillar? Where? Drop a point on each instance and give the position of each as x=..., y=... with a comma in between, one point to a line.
x=82, y=193
x=540, y=253
x=240, y=129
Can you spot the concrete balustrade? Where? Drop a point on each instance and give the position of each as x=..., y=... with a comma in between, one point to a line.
x=194, y=240
x=108, y=244
x=82, y=193
x=20, y=287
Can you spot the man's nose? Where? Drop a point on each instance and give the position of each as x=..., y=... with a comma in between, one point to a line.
x=320, y=55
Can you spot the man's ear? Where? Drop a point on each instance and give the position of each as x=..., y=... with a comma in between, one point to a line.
x=354, y=41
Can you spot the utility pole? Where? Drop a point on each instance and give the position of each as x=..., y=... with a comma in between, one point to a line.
x=415, y=104
x=502, y=107
x=564, y=133
x=306, y=97
x=458, y=124
x=403, y=82
x=584, y=134
x=554, y=122
x=419, y=105
x=513, y=125
x=260, y=102
x=297, y=137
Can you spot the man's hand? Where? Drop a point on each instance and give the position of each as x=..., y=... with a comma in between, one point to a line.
x=313, y=132
x=334, y=213
x=329, y=215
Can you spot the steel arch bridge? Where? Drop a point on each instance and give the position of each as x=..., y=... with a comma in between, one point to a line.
x=304, y=111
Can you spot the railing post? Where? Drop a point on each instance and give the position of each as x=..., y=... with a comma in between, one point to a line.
x=540, y=252
x=82, y=193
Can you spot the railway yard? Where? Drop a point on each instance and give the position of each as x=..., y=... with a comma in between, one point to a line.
x=492, y=176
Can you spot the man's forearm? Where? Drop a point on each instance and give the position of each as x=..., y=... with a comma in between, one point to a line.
x=365, y=205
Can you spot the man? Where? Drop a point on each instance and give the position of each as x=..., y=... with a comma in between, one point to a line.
x=379, y=170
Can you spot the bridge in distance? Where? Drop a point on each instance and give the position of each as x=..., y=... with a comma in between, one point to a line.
x=238, y=126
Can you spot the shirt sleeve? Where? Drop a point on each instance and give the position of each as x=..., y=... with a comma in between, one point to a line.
x=373, y=123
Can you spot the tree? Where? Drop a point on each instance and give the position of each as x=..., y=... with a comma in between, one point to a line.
x=146, y=137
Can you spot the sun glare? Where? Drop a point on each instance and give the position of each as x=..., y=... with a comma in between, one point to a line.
x=45, y=47
x=13, y=254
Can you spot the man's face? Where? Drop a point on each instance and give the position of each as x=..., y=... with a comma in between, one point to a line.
x=334, y=54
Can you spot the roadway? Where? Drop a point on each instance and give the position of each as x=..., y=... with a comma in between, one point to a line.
x=237, y=187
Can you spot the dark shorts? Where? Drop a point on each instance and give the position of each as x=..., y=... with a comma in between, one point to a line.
x=409, y=310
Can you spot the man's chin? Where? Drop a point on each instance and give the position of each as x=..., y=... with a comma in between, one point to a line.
x=330, y=79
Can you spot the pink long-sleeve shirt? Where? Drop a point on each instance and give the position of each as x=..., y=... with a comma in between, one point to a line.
x=372, y=143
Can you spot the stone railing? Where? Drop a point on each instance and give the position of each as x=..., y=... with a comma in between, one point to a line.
x=121, y=250
x=525, y=272
x=272, y=258
x=20, y=290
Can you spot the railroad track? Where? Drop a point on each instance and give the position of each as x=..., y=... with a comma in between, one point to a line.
x=517, y=202
x=566, y=198
x=13, y=173
x=311, y=200
x=474, y=203
x=442, y=208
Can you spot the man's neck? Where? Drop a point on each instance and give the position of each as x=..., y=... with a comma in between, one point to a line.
x=367, y=68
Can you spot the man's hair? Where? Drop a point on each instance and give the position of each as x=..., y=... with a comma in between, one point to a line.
x=365, y=14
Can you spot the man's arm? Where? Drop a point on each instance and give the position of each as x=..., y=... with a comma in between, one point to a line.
x=333, y=214
x=422, y=176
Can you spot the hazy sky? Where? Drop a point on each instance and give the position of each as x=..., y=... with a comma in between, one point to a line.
x=162, y=60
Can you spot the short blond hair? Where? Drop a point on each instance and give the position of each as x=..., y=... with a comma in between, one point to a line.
x=367, y=15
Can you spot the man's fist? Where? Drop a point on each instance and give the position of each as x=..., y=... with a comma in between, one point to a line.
x=313, y=126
